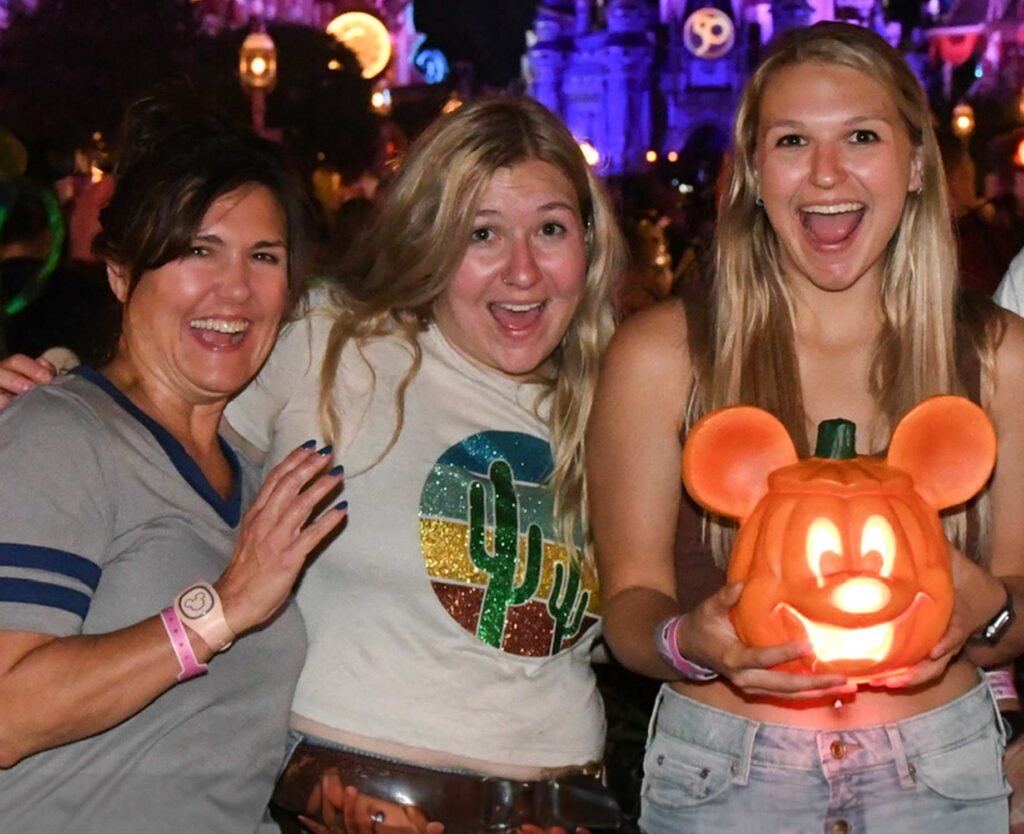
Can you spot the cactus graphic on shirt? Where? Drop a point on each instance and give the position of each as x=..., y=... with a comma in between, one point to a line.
x=561, y=606
x=502, y=591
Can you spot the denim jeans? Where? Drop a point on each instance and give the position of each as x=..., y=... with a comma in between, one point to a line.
x=940, y=772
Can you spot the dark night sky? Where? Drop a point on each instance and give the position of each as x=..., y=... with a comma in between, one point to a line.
x=488, y=33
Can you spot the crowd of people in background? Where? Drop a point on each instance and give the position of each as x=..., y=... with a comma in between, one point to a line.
x=449, y=353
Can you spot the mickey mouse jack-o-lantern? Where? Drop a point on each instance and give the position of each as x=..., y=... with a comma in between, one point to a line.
x=843, y=550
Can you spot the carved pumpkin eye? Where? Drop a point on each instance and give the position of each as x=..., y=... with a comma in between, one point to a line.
x=822, y=537
x=879, y=537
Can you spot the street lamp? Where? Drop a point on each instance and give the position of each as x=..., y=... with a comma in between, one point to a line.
x=380, y=100
x=257, y=69
x=963, y=120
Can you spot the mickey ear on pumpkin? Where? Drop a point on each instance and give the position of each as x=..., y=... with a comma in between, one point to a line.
x=948, y=446
x=728, y=455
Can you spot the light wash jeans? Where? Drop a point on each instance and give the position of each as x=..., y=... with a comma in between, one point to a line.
x=940, y=772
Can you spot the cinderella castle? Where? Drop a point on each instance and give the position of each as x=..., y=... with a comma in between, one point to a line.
x=639, y=81
x=645, y=80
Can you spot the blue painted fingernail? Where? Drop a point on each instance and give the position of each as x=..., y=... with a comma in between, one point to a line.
x=336, y=471
x=309, y=444
x=326, y=450
x=341, y=505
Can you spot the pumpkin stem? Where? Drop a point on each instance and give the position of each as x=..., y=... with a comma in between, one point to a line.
x=836, y=440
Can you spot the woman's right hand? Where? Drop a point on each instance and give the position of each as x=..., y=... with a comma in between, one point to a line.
x=20, y=373
x=274, y=537
x=708, y=637
x=335, y=808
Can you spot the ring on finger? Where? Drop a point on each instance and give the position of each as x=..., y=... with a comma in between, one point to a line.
x=376, y=818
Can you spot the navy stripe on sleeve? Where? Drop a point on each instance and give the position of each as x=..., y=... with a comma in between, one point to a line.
x=32, y=592
x=50, y=560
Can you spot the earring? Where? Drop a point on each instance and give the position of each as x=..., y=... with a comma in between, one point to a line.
x=758, y=201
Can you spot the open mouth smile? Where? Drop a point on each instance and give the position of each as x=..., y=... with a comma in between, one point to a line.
x=832, y=224
x=516, y=316
x=219, y=332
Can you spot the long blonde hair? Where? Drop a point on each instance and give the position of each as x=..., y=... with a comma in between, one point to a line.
x=417, y=238
x=750, y=356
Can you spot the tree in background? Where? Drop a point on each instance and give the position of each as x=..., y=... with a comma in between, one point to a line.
x=69, y=68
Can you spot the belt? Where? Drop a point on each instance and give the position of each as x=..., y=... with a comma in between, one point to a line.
x=466, y=803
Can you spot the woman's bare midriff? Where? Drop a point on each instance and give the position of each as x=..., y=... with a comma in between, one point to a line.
x=868, y=706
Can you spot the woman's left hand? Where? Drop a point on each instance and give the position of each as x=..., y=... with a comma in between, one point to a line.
x=977, y=596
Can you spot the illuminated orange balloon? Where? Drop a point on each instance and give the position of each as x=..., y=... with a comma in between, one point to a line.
x=846, y=551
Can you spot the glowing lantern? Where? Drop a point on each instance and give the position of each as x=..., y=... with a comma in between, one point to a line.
x=843, y=550
x=453, y=103
x=257, y=62
x=1018, y=154
x=367, y=37
x=590, y=153
x=380, y=101
x=963, y=120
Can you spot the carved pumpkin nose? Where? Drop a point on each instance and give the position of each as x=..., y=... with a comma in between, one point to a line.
x=861, y=595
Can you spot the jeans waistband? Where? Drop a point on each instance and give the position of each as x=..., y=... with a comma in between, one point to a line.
x=804, y=748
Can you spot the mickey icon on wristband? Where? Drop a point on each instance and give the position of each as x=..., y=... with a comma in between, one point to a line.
x=200, y=609
x=195, y=602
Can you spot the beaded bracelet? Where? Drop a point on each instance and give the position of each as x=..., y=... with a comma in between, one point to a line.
x=666, y=639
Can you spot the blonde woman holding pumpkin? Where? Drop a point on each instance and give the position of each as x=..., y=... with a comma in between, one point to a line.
x=835, y=295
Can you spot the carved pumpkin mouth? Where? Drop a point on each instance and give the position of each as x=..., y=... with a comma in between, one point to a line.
x=833, y=643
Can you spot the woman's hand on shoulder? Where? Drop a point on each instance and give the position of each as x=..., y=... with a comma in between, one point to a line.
x=711, y=640
x=277, y=535
x=20, y=373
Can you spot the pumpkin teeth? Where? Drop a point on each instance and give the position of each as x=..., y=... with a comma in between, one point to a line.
x=831, y=643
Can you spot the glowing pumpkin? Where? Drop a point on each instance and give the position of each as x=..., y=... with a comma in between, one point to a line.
x=844, y=550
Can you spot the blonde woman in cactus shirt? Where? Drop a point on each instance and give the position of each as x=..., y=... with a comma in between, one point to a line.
x=450, y=625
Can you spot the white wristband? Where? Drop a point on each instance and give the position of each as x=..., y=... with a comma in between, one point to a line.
x=200, y=609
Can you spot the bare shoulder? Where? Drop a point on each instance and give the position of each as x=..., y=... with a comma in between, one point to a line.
x=645, y=375
x=1008, y=395
x=653, y=342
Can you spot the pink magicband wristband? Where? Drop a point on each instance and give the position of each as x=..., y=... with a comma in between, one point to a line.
x=666, y=639
x=1003, y=686
x=190, y=666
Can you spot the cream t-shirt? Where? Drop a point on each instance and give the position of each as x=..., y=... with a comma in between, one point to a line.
x=426, y=627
